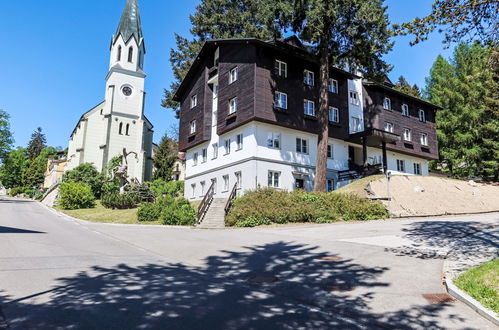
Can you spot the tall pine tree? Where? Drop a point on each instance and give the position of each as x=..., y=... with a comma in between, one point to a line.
x=403, y=86
x=36, y=144
x=164, y=158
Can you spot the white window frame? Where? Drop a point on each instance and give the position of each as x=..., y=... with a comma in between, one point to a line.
x=332, y=86
x=193, y=188
x=308, y=77
x=424, y=139
x=356, y=128
x=227, y=146
x=422, y=115
x=272, y=138
x=195, y=157
x=331, y=116
x=407, y=134
x=281, y=100
x=405, y=110
x=239, y=179
x=215, y=150
x=192, y=125
x=214, y=182
x=389, y=127
x=281, y=68
x=233, y=75
x=232, y=105
x=401, y=165
x=306, y=107
x=387, y=103
x=226, y=183
x=239, y=141
x=194, y=100
x=202, y=184
x=273, y=179
x=330, y=151
x=216, y=57
x=354, y=98
x=302, y=146
x=204, y=155
x=417, y=168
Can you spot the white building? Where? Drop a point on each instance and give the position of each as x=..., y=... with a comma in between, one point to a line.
x=118, y=122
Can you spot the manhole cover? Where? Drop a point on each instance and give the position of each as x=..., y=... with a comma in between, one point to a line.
x=330, y=258
x=262, y=278
x=438, y=298
x=338, y=287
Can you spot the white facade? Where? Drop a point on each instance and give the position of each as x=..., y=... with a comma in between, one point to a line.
x=118, y=122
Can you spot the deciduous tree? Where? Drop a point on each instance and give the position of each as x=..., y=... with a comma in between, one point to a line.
x=13, y=167
x=6, y=139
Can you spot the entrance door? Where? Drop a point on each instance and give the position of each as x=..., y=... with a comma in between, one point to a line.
x=299, y=184
x=351, y=157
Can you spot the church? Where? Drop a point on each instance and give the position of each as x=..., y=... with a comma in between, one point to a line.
x=118, y=122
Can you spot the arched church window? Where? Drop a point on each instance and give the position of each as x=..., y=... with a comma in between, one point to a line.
x=130, y=54
x=127, y=129
x=118, y=58
x=121, y=129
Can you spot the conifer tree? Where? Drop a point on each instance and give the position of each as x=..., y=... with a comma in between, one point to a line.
x=36, y=144
x=164, y=158
x=403, y=86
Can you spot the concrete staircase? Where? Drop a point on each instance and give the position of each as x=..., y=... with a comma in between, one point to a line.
x=215, y=216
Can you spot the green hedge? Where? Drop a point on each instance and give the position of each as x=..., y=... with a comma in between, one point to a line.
x=163, y=188
x=76, y=195
x=168, y=210
x=266, y=206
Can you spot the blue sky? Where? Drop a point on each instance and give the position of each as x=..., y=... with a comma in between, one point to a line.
x=55, y=56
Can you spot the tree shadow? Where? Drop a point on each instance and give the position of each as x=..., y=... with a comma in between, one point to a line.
x=273, y=286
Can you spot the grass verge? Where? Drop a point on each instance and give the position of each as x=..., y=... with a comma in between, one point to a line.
x=482, y=283
x=100, y=214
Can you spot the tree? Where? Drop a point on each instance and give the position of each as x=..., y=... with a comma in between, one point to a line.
x=37, y=143
x=213, y=19
x=352, y=32
x=6, y=139
x=164, y=158
x=403, y=86
x=468, y=124
x=86, y=173
x=13, y=167
x=459, y=20
x=34, y=173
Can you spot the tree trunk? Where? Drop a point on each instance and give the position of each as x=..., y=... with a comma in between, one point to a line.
x=321, y=163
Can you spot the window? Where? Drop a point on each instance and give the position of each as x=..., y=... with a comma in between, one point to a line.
x=120, y=129
x=127, y=131
x=239, y=140
x=356, y=124
x=330, y=151
x=202, y=184
x=388, y=127
x=130, y=54
x=274, y=140
x=227, y=146
x=239, y=179
x=354, y=98
x=422, y=116
x=301, y=146
x=193, y=189
x=193, y=126
x=273, y=179
x=194, y=100
x=400, y=165
x=195, y=159
x=330, y=185
x=233, y=75
x=204, y=154
x=334, y=115
x=281, y=100
x=405, y=110
x=332, y=86
x=308, y=78
x=226, y=182
x=232, y=105
x=216, y=57
x=214, y=183
x=118, y=56
x=281, y=68
x=417, y=168
x=215, y=150
x=407, y=134
x=309, y=108
x=387, y=104
x=424, y=139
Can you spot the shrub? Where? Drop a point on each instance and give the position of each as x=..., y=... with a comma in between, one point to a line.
x=149, y=212
x=110, y=187
x=179, y=213
x=86, y=173
x=30, y=192
x=171, y=188
x=265, y=206
x=119, y=201
x=76, y=195
x=39, y=195
x=140, y=192
x=16, y=191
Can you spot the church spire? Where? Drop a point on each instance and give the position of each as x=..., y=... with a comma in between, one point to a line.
x=130, y=22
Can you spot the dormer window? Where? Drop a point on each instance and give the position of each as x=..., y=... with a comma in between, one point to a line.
x=233, y=75
x=118, y=56
x=387, y=104
x=130, y=54
x=405, y=110
x=422, y=116
x=194, y=100
x=193, y=126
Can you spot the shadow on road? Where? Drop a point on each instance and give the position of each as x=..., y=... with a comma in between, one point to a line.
x=273, y=286
x=11, y=230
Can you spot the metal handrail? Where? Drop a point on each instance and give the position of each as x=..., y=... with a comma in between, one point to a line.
x=232, y=195
x=205, y=203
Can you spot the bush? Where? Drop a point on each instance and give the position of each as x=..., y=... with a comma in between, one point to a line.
x=140, y=192
x=30, y=192
x=39, y=195
x=16, y=191
x=110, y=187
x=265, y=206
x=119, y=201
x=179, y=213
x=172, y=188
x=148, y=212
x=76, y=195
x=86, y=173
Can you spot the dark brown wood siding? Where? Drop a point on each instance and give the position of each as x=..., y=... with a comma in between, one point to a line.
x=376, y=117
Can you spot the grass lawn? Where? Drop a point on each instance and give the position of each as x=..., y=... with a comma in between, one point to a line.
x=101, y=214
x=482, y=283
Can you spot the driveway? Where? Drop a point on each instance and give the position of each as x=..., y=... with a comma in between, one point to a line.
x=60, y=273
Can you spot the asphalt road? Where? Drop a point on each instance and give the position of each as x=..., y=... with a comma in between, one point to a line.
x=57, y=273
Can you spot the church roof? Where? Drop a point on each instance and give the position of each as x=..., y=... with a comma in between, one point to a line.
x=130, y=22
